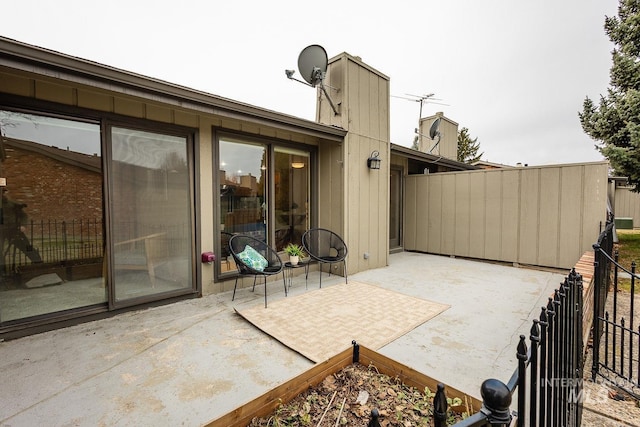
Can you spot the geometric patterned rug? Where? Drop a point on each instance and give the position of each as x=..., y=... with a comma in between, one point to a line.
x=321, y=323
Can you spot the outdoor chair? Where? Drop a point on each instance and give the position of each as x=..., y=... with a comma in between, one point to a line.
x=255, y=258
x=326, y=247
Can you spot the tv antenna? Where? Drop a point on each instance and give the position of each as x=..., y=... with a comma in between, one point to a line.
x=312, y=64
x=422, y=99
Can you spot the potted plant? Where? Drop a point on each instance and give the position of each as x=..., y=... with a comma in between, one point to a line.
x=295, y=252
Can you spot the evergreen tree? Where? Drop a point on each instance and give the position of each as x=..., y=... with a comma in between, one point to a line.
x=467, y=147
x=615, y=123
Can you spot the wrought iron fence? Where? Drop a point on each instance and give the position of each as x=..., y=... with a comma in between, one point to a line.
x=614, y=333
x=52, y=241
x=548, y=380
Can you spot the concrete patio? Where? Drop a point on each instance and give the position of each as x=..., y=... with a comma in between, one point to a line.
x=190, y=362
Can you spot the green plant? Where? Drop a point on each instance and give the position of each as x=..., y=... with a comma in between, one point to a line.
x=294, y=250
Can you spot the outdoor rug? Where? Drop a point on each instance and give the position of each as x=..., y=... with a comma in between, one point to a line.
x=321, y=323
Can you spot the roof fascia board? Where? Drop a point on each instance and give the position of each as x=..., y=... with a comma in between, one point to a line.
x=430, y=158
x=36, y=60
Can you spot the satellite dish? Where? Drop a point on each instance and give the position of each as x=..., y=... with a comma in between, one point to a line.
x=433, y=130
x=312, y=64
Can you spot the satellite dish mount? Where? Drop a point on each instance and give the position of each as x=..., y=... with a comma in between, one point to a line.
x=312, y=63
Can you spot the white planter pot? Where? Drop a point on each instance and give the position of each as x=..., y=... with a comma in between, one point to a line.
x=294, y=259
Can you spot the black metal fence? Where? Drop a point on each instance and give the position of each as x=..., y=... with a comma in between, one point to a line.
x=616, y=338
x=52, y=241
x=548, y=381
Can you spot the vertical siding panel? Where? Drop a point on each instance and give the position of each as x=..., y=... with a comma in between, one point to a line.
x=549, y=214
x=373, y=119
x=357, y=196
x=448, y=215
x=462, y=214
x=412, y=234
x=510, y=212
x=529, y=210
x=595, y=199
x=493, y=215
x=354, y=95
x=364, y=100
x=436, y=206
x=477, y=214
x=571, y=211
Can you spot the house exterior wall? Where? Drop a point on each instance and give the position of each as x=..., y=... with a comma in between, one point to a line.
x=544, y=216
x=627, y=205
x=361, y=95
x=201, y=119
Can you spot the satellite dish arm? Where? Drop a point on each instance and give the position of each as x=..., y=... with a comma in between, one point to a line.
x=290, y=74
x=333, y=107
x=436, y=144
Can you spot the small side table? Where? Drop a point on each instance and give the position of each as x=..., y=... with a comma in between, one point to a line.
x=290, y=267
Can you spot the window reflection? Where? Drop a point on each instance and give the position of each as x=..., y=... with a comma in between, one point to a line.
x=242, y=196
x=291, y=196
x=51, y=222
x=151, y=211
x=245, y=205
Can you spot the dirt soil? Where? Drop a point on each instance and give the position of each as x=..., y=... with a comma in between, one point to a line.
x=348, y=397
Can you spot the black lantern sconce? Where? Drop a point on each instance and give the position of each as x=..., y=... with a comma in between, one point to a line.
x=373, y=162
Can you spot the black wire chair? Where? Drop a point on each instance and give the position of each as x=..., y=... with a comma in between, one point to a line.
x=326, y=247
x=255, y=258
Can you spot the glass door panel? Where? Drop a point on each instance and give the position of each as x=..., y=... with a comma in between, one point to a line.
x=51, y=216
x=291, y=199
x=242, y=195
x=151, y=214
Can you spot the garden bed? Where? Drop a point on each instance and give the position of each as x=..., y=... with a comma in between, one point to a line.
x=328, y=387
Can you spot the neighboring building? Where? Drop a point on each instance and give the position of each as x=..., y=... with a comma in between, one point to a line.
x=445, y=140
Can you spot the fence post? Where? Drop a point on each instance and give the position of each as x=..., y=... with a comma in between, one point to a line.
x=543, y=323
x=595, y=330
x=533, y=366
x=550, y=392
x=496, y=400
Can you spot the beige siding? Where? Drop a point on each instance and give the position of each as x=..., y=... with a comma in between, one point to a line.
x=363, y=102
x=545, y=216
x=627, y=205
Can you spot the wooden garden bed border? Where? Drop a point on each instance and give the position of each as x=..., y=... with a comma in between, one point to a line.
x=268, y=402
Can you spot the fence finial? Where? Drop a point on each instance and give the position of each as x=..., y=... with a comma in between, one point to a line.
x=496, y=399
x=440, y=407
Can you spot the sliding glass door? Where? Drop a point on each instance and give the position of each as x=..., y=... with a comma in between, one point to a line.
x=151, y=213
x=264, y=191
x=51, y=216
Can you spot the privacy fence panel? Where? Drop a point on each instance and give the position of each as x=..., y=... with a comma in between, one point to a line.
x=546, y=216
x=627, y=204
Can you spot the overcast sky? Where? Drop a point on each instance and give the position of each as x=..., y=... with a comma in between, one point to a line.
x=514, y=72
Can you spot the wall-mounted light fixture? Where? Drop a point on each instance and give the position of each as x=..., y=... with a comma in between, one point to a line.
x=297, y=165
x=373, y=162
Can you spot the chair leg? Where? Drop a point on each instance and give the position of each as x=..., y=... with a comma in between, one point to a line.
x=320, y=265
x=284, y=280
x=234, y=289
x=345, y=270
x=254, y=283
x=265, y=291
